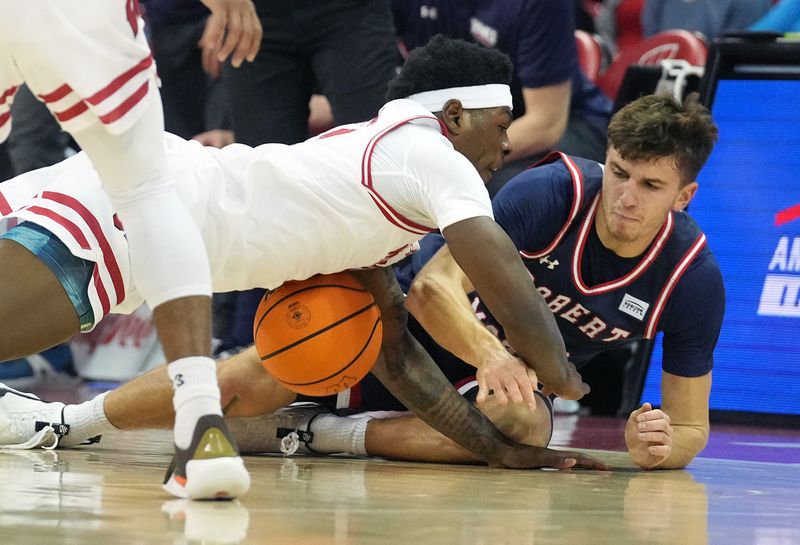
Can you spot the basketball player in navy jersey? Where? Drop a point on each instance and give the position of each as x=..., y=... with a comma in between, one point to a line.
x=616, y=259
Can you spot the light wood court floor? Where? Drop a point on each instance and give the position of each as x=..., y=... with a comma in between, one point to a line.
x=110, y=494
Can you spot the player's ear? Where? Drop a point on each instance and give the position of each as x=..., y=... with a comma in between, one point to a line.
x=453, y=116
x=685, y=196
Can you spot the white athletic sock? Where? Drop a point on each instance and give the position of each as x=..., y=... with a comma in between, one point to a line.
x=86, y=420
x=336, y=434
x=195, y=394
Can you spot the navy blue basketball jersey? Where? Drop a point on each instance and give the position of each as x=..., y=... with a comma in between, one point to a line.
x=601, y=300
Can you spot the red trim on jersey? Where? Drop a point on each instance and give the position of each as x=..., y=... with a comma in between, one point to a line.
x=126, y=105
x=666, y=291
x=646, y=261
x=464, y=381
x=8, y=93
x=94, y=226
x=5, y=208
x=388, y=212
x=577, y=197
x=72, y=112
x=56, y=95
x=5, y=117
x=785, y=216
x=119, y=81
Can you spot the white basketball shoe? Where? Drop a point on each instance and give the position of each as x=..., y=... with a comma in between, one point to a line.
x=27, y=422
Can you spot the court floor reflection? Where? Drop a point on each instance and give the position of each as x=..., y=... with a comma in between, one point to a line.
x=110, y=493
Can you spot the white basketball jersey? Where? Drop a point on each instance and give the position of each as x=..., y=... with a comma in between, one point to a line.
x=357, y=196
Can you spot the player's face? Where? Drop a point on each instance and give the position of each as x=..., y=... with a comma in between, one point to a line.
x=635, y=201
x=483, y=138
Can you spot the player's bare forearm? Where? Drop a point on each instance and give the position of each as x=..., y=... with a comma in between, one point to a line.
x=412, y=376
x=488, y=257
x=438, y=300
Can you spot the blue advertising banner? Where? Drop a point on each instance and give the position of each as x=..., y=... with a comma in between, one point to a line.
x=748, y=204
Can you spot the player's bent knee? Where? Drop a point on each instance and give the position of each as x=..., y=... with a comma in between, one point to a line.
x=520, y=422
x=252, y=391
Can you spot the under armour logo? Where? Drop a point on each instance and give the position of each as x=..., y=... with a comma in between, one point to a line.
x=550, y=264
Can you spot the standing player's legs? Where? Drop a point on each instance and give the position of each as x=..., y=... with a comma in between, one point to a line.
x=112, y=108
x=170, y=266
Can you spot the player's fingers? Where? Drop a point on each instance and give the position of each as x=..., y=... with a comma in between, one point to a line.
x=655, y=437
x=659, y=450
x=255, y=33
x=487, y=386
x=512, y=391
x=215, y=28
x=211, y=65
x=653, y=425
x=233, y=33
x=245, y=38
x=526, y=390
x=578, y=460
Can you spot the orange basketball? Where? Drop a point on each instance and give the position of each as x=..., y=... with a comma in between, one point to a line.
x=318, y=336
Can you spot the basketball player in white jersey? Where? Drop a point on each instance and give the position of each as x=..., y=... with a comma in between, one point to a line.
x=357, y=197
x=90, y=63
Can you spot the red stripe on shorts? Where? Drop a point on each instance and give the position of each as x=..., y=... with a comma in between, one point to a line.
x=91, y=221
x=81, y=240
x=119, y=81
x=56, y=95
x=126, y=106
x=71, y=112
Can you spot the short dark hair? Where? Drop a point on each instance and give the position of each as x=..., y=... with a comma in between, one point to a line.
x=656, y=126
x=446, y=62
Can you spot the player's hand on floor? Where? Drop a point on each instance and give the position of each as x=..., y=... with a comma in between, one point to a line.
x=570, y=385
x=233, y=28
x=508, y=379
x=648, y=434
x=528, y=457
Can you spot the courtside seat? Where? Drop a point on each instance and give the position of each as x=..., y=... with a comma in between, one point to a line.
x=590, y=54
x=670, y=44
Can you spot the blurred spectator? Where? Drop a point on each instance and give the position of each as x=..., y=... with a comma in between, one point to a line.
x=555, y=106
x=36, y=139
x=783, y=17
x=192, y=99
x=709, y=17
x=619, y=23
x=343, y=49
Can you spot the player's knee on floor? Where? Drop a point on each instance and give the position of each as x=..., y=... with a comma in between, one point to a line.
x=519, y=422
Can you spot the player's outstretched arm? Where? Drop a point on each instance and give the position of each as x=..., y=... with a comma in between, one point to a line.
x=438, y=300
x=488, y=257
x=410, y=374
x=670, y=437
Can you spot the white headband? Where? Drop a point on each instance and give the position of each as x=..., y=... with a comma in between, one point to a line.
x=492, y=95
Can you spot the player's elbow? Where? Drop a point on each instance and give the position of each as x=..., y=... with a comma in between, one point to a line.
x=422, y=290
